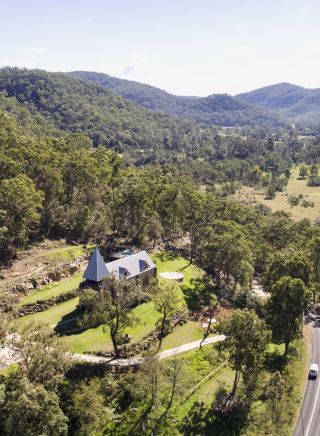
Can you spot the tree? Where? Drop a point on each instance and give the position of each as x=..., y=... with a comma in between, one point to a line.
x=229, y=255
x=246, y=341
x=155, y=229
x=111, y=305
x=42, y=357
x=28, y=409
x=303, y=171
x=289, y=297
x=288, y=263
x=270, y=193
x=167, y=299
x=22, y=204
x=315, y=261
x=153, y=389
x=314, y=170
x=88, y=410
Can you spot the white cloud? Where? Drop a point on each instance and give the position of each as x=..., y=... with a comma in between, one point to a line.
x=36, y=50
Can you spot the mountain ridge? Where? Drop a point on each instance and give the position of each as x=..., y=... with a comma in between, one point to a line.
x=287, y=99
x=215, y=109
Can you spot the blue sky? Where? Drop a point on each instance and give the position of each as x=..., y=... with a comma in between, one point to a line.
x=187, y=47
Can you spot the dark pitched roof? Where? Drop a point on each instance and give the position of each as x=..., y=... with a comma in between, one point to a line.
x=96, y=269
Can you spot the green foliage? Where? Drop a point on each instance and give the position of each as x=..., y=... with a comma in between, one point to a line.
x=289, y=297
x=42, y=357
x=229, y=255
x=28, y=409
x=22, y=204
x=246, y=341
x=111, y=306
x=218, y=109
x=303, y=171
x=288, y=263
x=88, y=411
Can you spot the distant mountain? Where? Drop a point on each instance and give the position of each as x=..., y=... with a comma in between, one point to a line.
x=216, y=109
x=294, y=101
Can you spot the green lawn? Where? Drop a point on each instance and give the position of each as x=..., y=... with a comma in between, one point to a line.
x=54, y=314
x=188, y=332
x=66, y=254
x=171, y=262
x=96, y=339
x=207, y=391
x=53, y=290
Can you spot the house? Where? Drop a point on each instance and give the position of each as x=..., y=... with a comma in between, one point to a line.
x=138, y=266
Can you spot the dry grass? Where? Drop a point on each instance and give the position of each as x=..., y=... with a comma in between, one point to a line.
x=295, y=187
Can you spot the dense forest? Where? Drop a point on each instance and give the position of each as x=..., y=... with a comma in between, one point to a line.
x=48, y=127
x=80, y=163
x=217, y=109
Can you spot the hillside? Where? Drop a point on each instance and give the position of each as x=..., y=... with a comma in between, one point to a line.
x=288, y=100
x=54, y=103
x=216, y=109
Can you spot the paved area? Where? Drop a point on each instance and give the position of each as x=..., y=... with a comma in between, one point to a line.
x=309, y=419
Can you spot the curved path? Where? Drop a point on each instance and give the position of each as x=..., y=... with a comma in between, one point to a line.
x=309, y=419
x=162, y=355
x=7, y=357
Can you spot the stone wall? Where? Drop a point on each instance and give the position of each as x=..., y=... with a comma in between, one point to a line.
x=41, y=305
x=64, y=271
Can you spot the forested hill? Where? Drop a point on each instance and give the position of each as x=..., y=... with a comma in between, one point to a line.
x=289, y=100
x=216, y=109
x=54, y=103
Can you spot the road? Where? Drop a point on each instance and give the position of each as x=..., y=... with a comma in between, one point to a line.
x=309, y=419
x=7, y=357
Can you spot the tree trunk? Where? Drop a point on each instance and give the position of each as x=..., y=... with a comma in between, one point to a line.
x=235, y=383
x=162, y=329
x=115, y=344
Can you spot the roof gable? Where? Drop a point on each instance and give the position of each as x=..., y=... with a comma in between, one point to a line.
x=96, y=269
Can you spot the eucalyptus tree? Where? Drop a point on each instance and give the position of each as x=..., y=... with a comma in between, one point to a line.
x=111, y=306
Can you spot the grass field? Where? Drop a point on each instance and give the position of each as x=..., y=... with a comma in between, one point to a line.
x=54, y=314
x=188, y=332
x=53, y=290
x=98, y=339
x=204, y=365
x=63, y=315
x=168, y=261
x=66, y=254
x=295, y=187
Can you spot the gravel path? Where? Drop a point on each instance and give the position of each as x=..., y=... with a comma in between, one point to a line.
x=7, y=357
x=162, y=355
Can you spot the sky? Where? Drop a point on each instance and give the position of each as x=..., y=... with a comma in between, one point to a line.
x=186, y=47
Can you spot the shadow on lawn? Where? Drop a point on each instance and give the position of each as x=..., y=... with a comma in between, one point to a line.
x=201, y=420
x=197, y=293
x=167, y=255
x=69, y=323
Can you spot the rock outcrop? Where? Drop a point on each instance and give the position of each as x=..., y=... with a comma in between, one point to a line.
x=64, y=271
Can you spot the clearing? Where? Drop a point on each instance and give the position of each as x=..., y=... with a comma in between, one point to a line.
x=296, y=187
